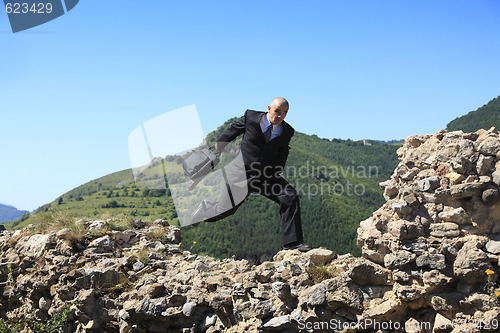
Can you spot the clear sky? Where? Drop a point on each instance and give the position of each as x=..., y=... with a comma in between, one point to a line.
x=73, y=89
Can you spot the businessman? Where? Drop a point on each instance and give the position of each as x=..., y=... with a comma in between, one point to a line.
x=264, y=151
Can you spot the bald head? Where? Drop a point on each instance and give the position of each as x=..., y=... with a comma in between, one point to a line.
x=277, y=110
x=280, y=101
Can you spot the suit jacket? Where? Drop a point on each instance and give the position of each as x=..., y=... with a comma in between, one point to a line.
x=259, y=157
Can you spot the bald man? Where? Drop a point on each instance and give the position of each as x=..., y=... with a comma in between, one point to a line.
x=264, y=151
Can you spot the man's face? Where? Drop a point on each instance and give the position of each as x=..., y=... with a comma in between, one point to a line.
x=277, y=113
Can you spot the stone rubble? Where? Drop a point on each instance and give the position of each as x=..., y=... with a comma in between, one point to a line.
x=425, y=256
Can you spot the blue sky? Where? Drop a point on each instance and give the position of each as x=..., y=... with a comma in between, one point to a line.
x=73, y=89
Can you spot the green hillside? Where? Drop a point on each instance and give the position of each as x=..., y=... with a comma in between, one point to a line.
x=486, y=116
x=337, y=181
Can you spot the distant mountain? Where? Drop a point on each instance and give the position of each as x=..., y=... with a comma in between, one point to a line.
x=337, y=181
x=10, y=213
x=486, y=116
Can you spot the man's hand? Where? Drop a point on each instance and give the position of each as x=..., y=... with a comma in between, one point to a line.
x=217, y=148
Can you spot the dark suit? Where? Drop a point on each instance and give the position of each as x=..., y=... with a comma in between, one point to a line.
x=263, y=163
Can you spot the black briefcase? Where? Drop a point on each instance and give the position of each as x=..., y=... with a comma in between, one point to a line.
x=199, y=164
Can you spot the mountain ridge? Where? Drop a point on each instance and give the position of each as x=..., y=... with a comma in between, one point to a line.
x=484, y=117
x=10, y=213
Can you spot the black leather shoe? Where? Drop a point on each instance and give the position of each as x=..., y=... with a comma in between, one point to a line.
x=297, y=246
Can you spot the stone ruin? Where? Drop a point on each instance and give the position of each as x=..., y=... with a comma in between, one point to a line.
x=439, y=230
x=430, y=264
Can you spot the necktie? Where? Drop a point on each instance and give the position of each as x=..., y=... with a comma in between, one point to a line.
x=267, y=133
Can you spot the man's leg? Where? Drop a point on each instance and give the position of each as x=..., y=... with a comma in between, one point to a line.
x=281, y=192
x=225, y=207
x=232, y=196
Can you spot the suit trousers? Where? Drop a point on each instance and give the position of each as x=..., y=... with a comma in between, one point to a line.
x=275, y=188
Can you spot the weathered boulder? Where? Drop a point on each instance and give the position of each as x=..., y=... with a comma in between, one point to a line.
x=471, y=264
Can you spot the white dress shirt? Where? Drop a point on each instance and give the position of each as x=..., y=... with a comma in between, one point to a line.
x=276, y=129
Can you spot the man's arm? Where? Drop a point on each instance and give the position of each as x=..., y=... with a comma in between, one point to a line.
x=236, y=128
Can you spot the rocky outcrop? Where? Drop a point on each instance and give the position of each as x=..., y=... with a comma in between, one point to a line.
x=426, y=254
x=439, y=230
x=142, y=280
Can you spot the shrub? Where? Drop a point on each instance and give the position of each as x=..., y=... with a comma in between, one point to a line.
x=51, y=325
x=7, y=327
x=319, y=273
x=156, y=234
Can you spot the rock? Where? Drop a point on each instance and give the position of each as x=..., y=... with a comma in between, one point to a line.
x=320, y=256
x=123, y=236
x=412, y=200
x=365, y=272
x=428, y=184
x=490, y=146
x=441, y=324
x=435, y=278
x=155, y=246
x=446, y=229
x=281, y=290
x=64, y=233
x=434, y=261
x=264, y=272
x=155, y=256
x=208, y=321
x=137, y=266
x=454, y=177
x=401, y=208
x=173, y=235
x=188, y=308
x=493, y=246
x=138, y=223
x=457, y=215
x=407, y=292
x=402, y=229
x=44, y=303
x=260, y=294
x=383, y=309
x=399, y=259
x=390, y=191
x=490, y=196
x=156, y=290
x=414, y=326
x=484, y=164
x=277, y=323
x=316, y=295
x=151, y=307
x=471, y=264
x=34, y=246
x=102, y=244
x=247, y=310
x=466, y=190
x=201, y=267
x=96, y=225
x=161, y=223
x=496, y=177
x=343, y=292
